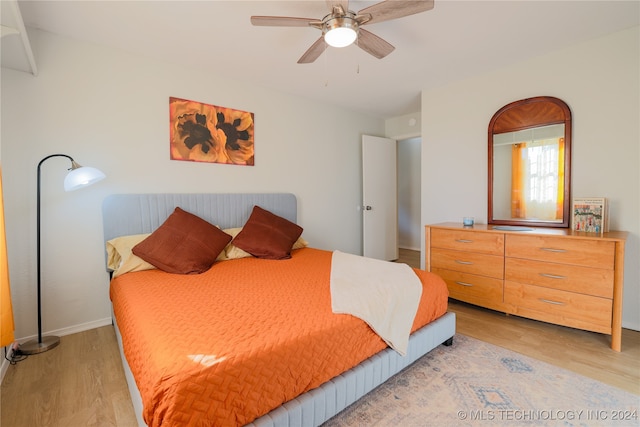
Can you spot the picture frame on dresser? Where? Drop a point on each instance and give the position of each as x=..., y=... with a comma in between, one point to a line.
x=590, y=214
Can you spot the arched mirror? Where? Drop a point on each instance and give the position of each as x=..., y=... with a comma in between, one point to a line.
x=530, y=163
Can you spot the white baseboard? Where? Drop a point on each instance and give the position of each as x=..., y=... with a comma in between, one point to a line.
x=5, y=363
x=77, y=328
x=58, y=332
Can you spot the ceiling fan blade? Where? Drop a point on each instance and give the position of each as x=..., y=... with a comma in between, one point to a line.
x=281, y=21
x=393, y=9
x=313, y=52
x=373, y=44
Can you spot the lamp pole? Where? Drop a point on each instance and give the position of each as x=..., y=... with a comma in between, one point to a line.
x=72, y=182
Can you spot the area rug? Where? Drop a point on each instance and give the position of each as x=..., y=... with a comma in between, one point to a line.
x=473, y=383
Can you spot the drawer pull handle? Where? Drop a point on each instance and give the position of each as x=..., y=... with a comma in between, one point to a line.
x=464, y=241
x=554, y=250
x=464, y=284
x=548, y=301
x=464, y=262
x=552, y=276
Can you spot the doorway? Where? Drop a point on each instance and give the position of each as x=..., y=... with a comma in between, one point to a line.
x=409, y=200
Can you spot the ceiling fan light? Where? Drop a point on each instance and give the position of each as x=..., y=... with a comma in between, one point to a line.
x=340, y=32
x=340, y=37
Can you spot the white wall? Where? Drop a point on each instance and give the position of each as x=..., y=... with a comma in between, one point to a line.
x=599, y=80
x=109, y=109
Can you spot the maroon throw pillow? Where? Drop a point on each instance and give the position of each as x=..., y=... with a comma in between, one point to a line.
x=266, y=235
x=183, y=244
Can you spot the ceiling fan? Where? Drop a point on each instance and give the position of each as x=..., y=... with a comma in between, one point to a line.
x=342, y=27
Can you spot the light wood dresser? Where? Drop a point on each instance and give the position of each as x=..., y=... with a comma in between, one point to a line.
x=558, y=276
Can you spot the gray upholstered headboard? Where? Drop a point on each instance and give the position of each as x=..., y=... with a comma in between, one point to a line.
x=125, y=214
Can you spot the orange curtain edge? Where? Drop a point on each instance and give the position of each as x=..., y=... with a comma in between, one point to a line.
x=7, y=326
x=560, y=197
x=518, y=204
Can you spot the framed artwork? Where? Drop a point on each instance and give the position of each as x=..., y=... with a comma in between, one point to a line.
x=590, y=214
x=208, y=133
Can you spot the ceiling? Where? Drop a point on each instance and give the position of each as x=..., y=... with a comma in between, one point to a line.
x=453, y=41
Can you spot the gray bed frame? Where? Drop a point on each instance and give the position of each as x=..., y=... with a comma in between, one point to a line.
x=125, y=214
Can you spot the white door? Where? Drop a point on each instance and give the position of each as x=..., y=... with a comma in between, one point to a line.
x=379, y=198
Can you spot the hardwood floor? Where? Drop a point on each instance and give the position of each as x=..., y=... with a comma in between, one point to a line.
x=81, y=382
x=583, y=352
x=409, y=257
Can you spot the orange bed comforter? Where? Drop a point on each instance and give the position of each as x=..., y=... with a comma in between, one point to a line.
x=227, y=346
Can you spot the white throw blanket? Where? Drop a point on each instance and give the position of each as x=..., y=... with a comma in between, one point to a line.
x=383, y=294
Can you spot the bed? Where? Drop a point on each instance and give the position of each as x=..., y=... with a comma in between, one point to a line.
x=304, y=374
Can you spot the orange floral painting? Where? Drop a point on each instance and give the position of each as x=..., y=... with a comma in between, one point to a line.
x=208, y=133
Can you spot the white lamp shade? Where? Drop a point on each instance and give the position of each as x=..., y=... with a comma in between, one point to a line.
x=82, y=177
x=340, y=36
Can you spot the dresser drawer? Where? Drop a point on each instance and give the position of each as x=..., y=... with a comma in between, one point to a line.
x=583, y=280
x=468, y=262
x=560, y=307
x=588, y=253
x=471, y=288
x=472, y=241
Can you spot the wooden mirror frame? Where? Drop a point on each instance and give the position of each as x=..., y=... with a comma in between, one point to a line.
x=525, y=114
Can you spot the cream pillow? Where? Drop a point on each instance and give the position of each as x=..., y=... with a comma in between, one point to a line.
x=300, y=243
x=121, y=260
x=234, y=252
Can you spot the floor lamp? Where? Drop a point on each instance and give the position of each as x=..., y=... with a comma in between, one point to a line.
x=78, y=177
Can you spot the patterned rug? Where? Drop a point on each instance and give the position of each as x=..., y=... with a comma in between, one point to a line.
x=473, y=383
